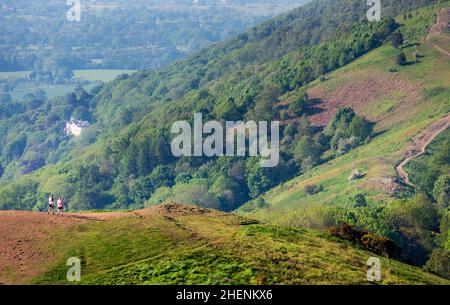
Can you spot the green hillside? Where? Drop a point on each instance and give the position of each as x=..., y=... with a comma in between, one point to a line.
x=174, y=244
x=399, y=114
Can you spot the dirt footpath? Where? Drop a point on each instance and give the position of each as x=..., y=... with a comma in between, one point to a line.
x=442, y=25
x=419, y=144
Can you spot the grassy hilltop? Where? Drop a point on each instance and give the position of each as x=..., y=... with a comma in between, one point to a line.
x=177, y=244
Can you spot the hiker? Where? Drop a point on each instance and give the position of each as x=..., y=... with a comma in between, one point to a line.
x=51, y=205
x=60, y=203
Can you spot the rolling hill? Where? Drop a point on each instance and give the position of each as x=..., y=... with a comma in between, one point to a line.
x=179, y=244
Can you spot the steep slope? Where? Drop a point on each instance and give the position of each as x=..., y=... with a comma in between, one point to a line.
x=177, y=244
x=404, y=101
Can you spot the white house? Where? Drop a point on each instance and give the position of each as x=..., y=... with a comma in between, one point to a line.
x=75, y=127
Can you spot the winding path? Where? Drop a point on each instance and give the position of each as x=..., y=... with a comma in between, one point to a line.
x=419, y=144
x=442, y=24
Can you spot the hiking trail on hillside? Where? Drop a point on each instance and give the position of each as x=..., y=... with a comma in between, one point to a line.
x=419, y=144
x=442, y=25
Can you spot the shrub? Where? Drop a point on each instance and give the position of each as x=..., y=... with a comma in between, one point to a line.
x=160, y=195
x=380, y=245
x=284, y=115
x=401, y=59
x=313, y=189
x=439, y=263
x=397, y=40
x=359, y=200
x=196, y=194
x=370, y=241
x=299, y=105
x=348, y=232
x=356, y=174
x=254, y=205
x=441, y=191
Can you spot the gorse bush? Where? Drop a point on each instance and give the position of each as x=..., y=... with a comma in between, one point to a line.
x=370, y=241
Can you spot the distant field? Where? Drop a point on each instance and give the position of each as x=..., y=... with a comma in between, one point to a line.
x=18, y=74
x=94, y=77
x=89, y=75
x=100, y=75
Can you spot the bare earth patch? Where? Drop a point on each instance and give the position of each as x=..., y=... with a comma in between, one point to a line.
x=359, y=92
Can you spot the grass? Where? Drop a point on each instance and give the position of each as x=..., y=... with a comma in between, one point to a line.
x=94, y=77
x=215, y=248
x=16, y=74
x=104, y=75
x=380, y=108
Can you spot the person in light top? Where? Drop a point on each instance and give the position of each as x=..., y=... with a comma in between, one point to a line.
x=51, y=205
x=60, y=204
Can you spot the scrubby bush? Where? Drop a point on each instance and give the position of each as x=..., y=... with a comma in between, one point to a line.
x=380, y=245
x=441, y=191
x=397, y=39
x=370, y=241
x=313, y=189
x=439, y=263
x=359, y=200
x=196, y=194
x=412, y=223
x=299, y=106
x=356, y=174
x=348, y=130
x=253, y=205
x=401, y=59
x=348, y=232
